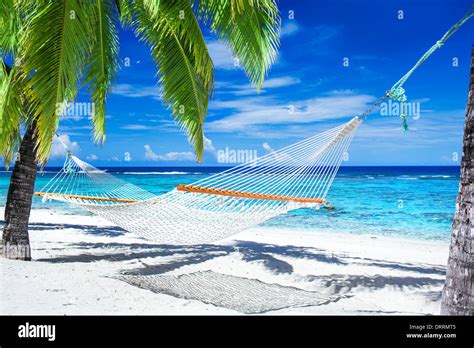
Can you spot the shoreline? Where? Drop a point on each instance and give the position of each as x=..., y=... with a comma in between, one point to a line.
x=77, y=260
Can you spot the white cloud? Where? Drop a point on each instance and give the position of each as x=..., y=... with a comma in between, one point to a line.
x=208, y=145
x=136, y=91
x=265, y=111
x=149, y=154
x=324, y=33
x=281, y=81
x=341, y=92
x=127, y=157
x=221, y=55
x=426, y=131
x=167, y=125
x=249, y=89
x=57, y=147
x=136, y=127
x=92, y=157
x=289, y=28
x=267, y=147
x=170, y=156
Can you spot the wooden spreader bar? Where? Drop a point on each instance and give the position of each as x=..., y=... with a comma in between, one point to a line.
x=88, y=198
x=233, y=193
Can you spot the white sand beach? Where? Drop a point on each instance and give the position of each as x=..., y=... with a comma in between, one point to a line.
x=77, y=259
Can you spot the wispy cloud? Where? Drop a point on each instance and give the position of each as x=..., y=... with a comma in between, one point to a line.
x=221, y=55
x=92, y=157
x=137, y=127
x=249, y=89
x=324, y=33
x=266, y=146
x=208, y=145
x=265, y=111
x=136, y=91
x=58, y=149
x=150, y=155
x=282, y=81
x=423, y=135
x=289, y=28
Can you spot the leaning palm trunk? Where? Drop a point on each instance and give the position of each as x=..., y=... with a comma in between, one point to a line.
x=15, y=240
x=458, y=292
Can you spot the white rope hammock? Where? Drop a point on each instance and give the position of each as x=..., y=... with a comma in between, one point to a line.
x=215, y=207
x=226, y=203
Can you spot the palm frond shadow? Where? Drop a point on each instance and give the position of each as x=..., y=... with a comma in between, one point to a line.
x=272, y=257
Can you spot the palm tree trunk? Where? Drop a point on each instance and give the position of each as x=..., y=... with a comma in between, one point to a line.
x=15, y=240
x=458, y=292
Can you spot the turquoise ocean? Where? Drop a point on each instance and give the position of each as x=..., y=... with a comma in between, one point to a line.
x=413, y=202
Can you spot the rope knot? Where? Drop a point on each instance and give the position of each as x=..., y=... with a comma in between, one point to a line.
x=439, y=43
x=398, y=93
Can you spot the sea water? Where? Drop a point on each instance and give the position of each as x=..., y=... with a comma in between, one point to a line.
x=414, y=202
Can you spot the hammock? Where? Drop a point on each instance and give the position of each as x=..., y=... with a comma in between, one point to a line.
x=215, y=207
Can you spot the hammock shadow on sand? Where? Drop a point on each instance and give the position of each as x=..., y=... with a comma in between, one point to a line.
x=249, y=296
x=265, y=253
x=252, y=296
x=251, y=251
x=268, y=255
x=153, y=276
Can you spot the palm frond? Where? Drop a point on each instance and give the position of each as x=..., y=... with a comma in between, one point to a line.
x=54, y=54
x=10, y=24
x=104, y=62
x=13, y=15
x=10, y=111
x=184, y=65
x=249, y=27
x=125, y=10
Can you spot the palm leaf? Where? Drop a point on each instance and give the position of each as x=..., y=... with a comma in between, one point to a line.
x=125, y=10
x=10, y=26
x=13, y=20
x=104, y=62
x=249, y=27
x=10, y=111
x=54, y=53
x=184, y=65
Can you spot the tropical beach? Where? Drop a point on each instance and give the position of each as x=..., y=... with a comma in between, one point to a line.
x=163, y=161
x=78, y=260
x=351, y=257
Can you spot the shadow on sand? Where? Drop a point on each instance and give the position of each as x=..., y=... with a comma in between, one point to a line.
x=269, y=255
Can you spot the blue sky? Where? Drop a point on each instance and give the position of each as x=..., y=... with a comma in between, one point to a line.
x=308, y=90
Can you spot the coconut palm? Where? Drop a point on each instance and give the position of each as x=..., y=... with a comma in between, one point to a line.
x=61, y=46
x=458, y=292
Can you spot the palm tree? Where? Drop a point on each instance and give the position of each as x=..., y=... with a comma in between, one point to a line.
x=458, y=292
x=61, y=46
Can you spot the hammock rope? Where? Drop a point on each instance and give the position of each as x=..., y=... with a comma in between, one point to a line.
x=217, y=206
x=397, y=92
x=226, y=203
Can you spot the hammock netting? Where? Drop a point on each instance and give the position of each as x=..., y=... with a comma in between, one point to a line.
x=217, y=206
x=227, y=203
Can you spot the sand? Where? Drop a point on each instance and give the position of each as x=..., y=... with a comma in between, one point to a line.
x=78, y=258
